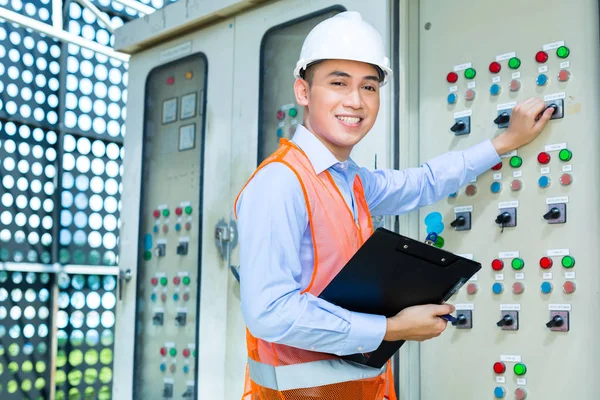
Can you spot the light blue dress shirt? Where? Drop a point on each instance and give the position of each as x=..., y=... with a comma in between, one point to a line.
x=276, y=252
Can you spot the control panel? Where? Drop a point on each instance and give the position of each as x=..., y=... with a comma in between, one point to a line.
x=169, y=249
x=526, y=322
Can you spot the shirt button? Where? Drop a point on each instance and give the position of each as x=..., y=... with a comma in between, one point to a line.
x=360, y=348
x=312, y=348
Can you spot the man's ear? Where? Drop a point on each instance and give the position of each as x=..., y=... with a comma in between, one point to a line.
x=301, y=90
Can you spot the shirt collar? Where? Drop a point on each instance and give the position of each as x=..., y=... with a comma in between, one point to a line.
x=318, y=154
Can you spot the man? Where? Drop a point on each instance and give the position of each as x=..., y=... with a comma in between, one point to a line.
x=307, y=209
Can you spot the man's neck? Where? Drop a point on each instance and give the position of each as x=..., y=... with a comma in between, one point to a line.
x=341, y=154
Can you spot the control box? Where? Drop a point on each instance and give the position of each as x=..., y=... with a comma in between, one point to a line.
x=169, y=270
x=527, y=321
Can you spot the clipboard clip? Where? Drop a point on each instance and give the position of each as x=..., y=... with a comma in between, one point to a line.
x=431, y=238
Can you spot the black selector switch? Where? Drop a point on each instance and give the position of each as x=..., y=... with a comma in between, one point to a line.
x=556, y=321
x=189, y=393
x=158, y=319
x=507, y=218
x=181, y=319
x=168, y=391
x=558, y=106
x=502, y=119
x=504, y=218
x=462, y=126
x=559, y=321
x=556, y=213
x=462, y=221
x=160, y=250
x=552, y=214
x=464, y=319
x=182, y=248
x=509, y=321
x=459, y=221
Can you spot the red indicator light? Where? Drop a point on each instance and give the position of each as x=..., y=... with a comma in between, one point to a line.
x=154, y=281
x=280, y=115
x=170, y=80
x=498, y=166
x=178, y=211
x=518, y=288
x=566, y=179
x=156, y=213
x=495, y=67
x=545, y=262
x=176, y=280
x=497, y=265
x=499, y=367
x=471, y=288
x=186, y=353
x=163, y=351
x=543, y=158
x=569, y=287
x=452, y=77
x=541, y=57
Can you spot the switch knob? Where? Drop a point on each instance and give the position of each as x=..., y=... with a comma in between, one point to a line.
x=460, y=221
x=160, y=250
x=182, y=248
x=502, y=118
x=181, y=319
x=556, y=321
x=189, y=393
x=552, y=214
x=158, y=319
x=461, y=319
x=458, y=126
x=506, y=320
x=503, y=218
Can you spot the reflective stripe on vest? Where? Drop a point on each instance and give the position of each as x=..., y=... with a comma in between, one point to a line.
x=309, y=374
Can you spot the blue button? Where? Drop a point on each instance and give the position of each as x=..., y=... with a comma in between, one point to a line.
x=499, y=392
x=163, y=367
x=544, y=181
x=452, y=195
x=176, y=297
x=546, y=287
x=178, y=227
x=433, y=218
x=541, y=79
x=155, y=228
x=280, y=132
x=496, y=187
x=497, y=288
x=494, y=89
x=147, y=242
x=153, y=297
x=186, y=369
x=451, y=98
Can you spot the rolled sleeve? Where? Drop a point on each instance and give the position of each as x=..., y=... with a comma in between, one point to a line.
x=366, y=333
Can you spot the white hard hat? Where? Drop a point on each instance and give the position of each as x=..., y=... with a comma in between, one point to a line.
x=344, y=37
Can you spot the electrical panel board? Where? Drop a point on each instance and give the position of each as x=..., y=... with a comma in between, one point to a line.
x=169, y=271
x=528, y=321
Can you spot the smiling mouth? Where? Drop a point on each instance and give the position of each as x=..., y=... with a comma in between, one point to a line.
x=349, y=120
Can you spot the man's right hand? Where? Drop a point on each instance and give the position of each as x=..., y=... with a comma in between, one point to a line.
x=418, y=323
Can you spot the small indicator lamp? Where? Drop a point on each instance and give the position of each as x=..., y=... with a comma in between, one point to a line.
x=517, y=264
x=495, y=67
x=499, y=367
x=568, y=262
x=516, y=161
x=520, y=369
x=546, y=262
x=497, y=264
x=470, y=73
x=452, y=77
x=514, y=63
x=170, y=80
x=541, y=57
x=565, y=155
x=543, y=158
x=189, y=75
x=563, y=52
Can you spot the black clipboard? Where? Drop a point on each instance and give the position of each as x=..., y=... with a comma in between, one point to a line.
x=391, y=272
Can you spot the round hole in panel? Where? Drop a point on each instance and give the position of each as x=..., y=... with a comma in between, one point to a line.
x=108, y=319
x=113, y=128
x=67, y=180
x=114, y=111
x=15, y=313
x=83, y=164
x=32, y=255
x=16, y=295
x=3, y=313
x=51, y=154
x=43, y=294
x=46, y=257
x=61, y=338
x=106, y=356
x=69, y=142
x=51, y=137
x=92, y=338
x=93, y=319
x=109, y=241
x=98, y=169
x=20, y=235
x=95, y=221
x=77, y=318
x=20, y=220
x=85, y=105
x=99, y=125
x=110, y=223
x=41, y=64
x=90, y=375
x=109, y=258
x=2, y=332
x=70, y=120
x=72, y=84
x=28, y=331
x=97, y=184
x=40, y=97
x=48, y=205
x=34, y=222
x=14, y=332
x=93, y=300
x=21, y=203
x=98, y=148
x=68, y=162
x=12, y=89
x=30, y=296
x=7, y=201
x=79, y=238
x=42, y=348
x=5, y=237
x=9, y=164
x=18, y=256
x=37, y=169
x=27, y=349
x=43, y=312
x=3, y=276
x=111, y=186
x=109, y=301
x=43, y=330
x=24, y=150
x=75, y=376
x=41, y=80
x=61, y=359
x=81, y=201
x=94, y=282
x=109, y=282
x=110, y=204
x=36, y=187
x=62, y=319
x=78, y=300
x=24, y=130
x=49, y=188
x=86, y=87
x=22, y=184
x=80, y=220
x=10, y=147
x=112, y=169
x=112, y=151
x=85, y=122
x=33, y=238
x=6, y=219
x=96, y=202
x=82, y=183
x=77, y=338
x=66, y=218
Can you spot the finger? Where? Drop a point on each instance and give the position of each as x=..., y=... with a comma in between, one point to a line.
x=535, y=106
x=444, y=309
x=546, y=116
x=526, y=105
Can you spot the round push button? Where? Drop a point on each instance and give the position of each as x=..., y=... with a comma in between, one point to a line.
x=495, y=67
x=495, y=89
x=520, y=369
x=516, y=185
x=517, y=264
x=546, y=287
x=541, y=80
x=541, y=57
x=470, y=94
x=516, y=161
x=497, y=288
x=499, y=392
x=471, y=190
x=470, y=73
x=451, y=98
x=497, y=167
x=452, y=77
x=520, y=394
x=566, y=179
x=546, y=262
x=496, y=187
x=564, y=75
x=472, y=288
x=544, y=181
x=543, y=158
x=568, y=262
x=515, y=85
x=499, y=367
x=518, y=288
x=569, y=287
x=497, y=264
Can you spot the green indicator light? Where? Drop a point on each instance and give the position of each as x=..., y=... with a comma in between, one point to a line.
x=163, y=281
x=565, y=154
x=520, y=369
x=568, y=262
x=470, y=73
x=518, y=263
x=439, y=242
x=166, y=212
x=293, y=112
x=173, y=352
x=188, y=210
x=514, y=63
x=194, y=353
x=147, y=255
x=563, y=52
x=516, y=161
x=186, y=280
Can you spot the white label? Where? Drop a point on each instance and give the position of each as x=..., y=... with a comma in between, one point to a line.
x=522, y=382
x=463, y=209
x=468, y=257
x=547, y=275
x=466, y=113
x=516, y=75
x=510, y=154
x=169, y=344
x=184, y=239
x=552, y=46
x=188, y=106
x=505, y=56
x=161, y=274
x=473, y=278
x=498, y=176
x=499, y=277
x=506, y=106
x=543, y=68
x=159, y=310
x=507, y=358
x=500, y=379
x=183, y=273
x=559, y=307
x=190, y=383
x=462, y=67
x=545, y=170
x=565, y=64
x=466, y=306
x=557, y=200
x=191, y=346
x=453, y=89
x=567, y=168
x=517, y=174
x=472, y=85
x=161, y=241
x=162, y=207
x=169, y=380
x=508, y=204
x=557, y=252
x=182, y=310
x=510, y=307
x=520, y=276
x=176, y=52
x=555, y=147
x=508, y=254
x=554, y=96
x=169, y=111
x=187, y=137
x=496, y=79
x=570, y=275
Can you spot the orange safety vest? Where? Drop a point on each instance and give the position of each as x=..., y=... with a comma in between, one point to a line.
x=280, y=372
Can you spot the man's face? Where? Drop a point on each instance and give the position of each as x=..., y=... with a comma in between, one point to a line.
x=343, y=103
